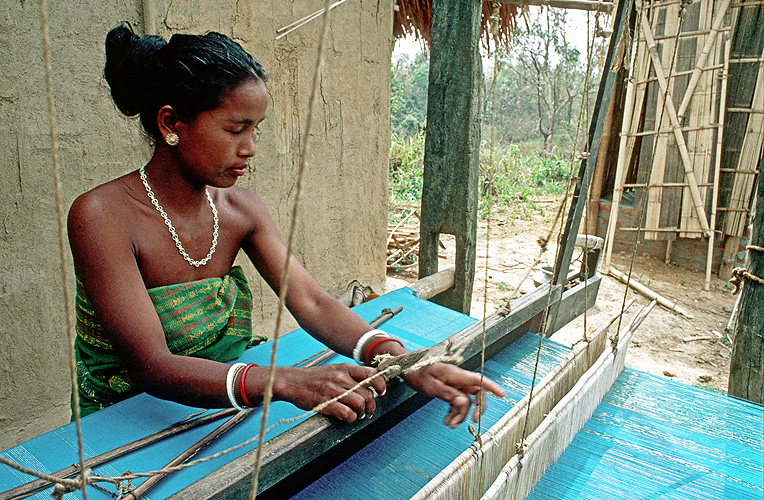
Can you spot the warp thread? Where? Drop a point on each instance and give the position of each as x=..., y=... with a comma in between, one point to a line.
x=62, y=486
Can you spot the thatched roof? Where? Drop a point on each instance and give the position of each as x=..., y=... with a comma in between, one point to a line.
x=412, y=17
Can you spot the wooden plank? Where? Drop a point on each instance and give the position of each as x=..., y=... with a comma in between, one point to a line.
x=299, y=446
x=633, y=96
x=752, y=143
x=604, y=92
x=717, y=165
x=452, y=145
x=574, y=302
x=746, y=43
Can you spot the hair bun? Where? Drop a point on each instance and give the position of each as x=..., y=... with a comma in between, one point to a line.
x=129, y=66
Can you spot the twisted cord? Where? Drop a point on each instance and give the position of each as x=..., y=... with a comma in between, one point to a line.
x=43, y=5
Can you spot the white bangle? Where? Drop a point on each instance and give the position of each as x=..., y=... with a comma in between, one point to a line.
x=366, y=337
x=229, y=381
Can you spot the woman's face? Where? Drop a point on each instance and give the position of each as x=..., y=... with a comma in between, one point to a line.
x=215, y=147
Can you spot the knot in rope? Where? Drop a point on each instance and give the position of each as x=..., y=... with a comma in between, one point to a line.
x=739, y=276
x=64, y=487
x=520, y=452
x=478, y=439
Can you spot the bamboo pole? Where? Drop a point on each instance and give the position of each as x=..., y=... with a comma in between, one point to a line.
x=621, y=168
x=680, y=142
x=606, y=7
x=701, y=60
x=650, y=294
x=595, y=192
x=717, y=166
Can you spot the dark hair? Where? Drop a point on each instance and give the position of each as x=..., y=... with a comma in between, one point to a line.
x=191, y=73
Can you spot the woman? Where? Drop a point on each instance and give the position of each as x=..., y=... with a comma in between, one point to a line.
x=152, y=318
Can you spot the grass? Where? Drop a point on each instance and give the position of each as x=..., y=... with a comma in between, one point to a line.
x=510, y=178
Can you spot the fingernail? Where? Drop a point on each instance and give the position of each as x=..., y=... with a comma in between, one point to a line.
x=383, y=392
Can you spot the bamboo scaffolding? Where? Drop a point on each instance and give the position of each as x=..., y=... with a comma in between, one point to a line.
x=747, y=160
x=672, y=114
x=701, y=60
x=623, y=147
x=700, y=89
x=646, y=133
x=688, y=34
x=717, y=166
x=591, y=6
x=664, y=184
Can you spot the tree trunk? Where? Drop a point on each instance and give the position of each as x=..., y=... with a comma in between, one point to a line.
x=746, y=378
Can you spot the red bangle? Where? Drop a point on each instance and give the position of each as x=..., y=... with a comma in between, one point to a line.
x=374, y=343
x=243, y=385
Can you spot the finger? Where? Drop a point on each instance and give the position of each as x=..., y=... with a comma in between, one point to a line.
x=379, y=385
x=460, y=406
x=471, y=382
x=360, y=373
x=340, y=411
x=480, y=405
x=371, y=403
x=459, y=401
x=356, y=403
x=494, y=388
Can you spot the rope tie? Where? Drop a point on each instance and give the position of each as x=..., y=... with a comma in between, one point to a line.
x=739, y=276
x=63, y=487
x=520, y=452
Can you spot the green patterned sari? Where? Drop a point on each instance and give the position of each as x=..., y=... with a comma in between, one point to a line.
x=210, y=318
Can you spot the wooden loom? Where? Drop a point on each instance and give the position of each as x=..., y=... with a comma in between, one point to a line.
x=317, y=441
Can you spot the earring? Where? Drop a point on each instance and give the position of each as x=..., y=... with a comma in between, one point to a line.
x=172, y=139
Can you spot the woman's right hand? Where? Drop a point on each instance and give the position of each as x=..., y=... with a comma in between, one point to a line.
x=307, y=388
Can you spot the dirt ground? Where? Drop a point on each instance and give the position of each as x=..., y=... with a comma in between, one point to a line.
x=666, y=344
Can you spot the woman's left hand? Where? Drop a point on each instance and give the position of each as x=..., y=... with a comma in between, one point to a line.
x=455, y=386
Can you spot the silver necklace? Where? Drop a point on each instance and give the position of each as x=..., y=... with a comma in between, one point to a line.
x=168, y=223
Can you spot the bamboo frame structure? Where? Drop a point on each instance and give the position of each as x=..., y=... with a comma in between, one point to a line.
x=695, y=125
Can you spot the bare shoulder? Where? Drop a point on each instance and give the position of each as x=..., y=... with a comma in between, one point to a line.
x=107, y=205
x=102, y=227
x=244, y=206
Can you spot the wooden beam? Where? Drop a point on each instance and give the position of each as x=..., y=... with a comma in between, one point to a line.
x=566, y=4
x=604, y=93
x=452, y=146
x=294, y=449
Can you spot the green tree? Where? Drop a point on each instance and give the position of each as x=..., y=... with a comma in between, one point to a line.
x=408, y=95
x=540, y=84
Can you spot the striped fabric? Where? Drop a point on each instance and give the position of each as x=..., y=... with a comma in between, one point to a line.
x=210, y=318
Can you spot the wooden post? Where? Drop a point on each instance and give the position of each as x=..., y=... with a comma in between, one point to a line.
x=452, y=145
x=746, y=378
x=604, y=94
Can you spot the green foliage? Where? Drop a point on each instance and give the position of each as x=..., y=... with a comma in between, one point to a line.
x=509, y=178
x=406, y=168
x=408, y=95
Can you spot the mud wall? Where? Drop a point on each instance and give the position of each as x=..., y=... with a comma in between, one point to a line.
x=342, y=218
